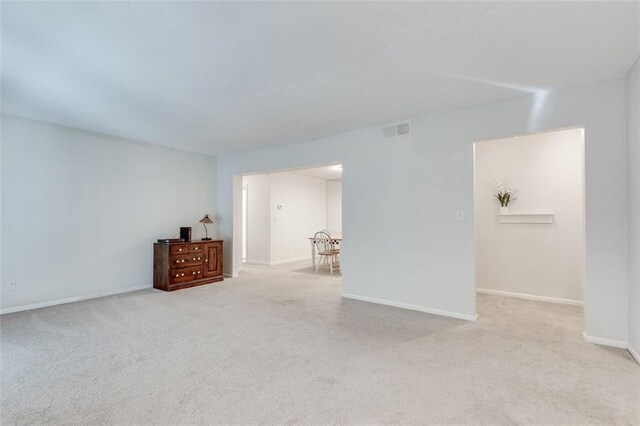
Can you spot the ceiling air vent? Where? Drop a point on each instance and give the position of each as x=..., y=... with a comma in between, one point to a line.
x=397, y=130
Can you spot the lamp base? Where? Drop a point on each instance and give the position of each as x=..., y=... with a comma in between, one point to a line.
x=206, y=239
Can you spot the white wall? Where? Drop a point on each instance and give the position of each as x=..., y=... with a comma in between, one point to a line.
x=2, y=284
x=633, y=136
x=280, y=235
x=81, y=210
x=407, y=190
x=258, y=218
x=303, y=212
x=334, y=206
x=532, y=259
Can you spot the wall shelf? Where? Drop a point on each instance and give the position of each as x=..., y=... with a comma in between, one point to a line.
x=525, y=218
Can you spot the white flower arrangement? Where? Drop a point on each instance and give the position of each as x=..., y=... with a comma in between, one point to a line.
x=505, y=196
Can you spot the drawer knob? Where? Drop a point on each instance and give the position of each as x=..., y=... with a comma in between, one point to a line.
x=177, y=275
x=182, y=260
x=196, y=248
x=193, y=273
x=199, y=258
x=198, y=271
x=183, y=274
x=179, y=249
x=178, y=261
x=193, y=258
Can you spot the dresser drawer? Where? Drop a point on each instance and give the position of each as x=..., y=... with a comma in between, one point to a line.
x=195, y=248
x=182, y=265
x=185, y=275
x=186, y=260
x=178, y=248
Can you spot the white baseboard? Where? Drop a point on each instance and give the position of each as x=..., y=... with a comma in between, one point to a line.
x=230, y=276
x=71, y=299
x=530, y=297
x=256, y=262
x=605, y=342
x=634, y=353
x=411, y=307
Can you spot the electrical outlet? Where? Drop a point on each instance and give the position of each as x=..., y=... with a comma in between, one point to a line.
x=13, y=286
x=460, y=216
x=410, y=283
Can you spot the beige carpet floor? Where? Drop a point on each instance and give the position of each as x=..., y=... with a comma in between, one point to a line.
x=279, y=346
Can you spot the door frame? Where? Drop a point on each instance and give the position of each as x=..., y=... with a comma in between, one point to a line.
x=583, y=212
x=237, y=234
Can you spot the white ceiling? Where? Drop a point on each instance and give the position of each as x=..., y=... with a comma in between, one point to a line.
x=220, y=77
x=326, y=172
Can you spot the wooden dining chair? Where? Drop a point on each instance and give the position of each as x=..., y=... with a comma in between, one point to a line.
x=325, y=249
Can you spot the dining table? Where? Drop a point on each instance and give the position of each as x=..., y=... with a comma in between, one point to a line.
x=336, y=240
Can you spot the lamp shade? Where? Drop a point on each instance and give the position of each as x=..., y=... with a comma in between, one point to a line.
x=206, y=219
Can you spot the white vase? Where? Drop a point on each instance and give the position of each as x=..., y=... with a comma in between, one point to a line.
x=504, y=210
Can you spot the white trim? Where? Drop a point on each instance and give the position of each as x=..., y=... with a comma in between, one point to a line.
x=530, y=297
x=634, y=353
x=72, y=299
x=605, y=342
x=411, y=307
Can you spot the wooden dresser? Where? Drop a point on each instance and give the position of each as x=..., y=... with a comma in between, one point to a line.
x=182, y=265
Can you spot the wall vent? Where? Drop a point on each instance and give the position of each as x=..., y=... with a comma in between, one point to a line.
x=397, y=130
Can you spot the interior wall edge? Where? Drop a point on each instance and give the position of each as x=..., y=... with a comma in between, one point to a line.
x=635, y=353
x=605, y=342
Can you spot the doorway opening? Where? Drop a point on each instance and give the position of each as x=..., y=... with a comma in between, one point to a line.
x=281, y=212
x=529, y=214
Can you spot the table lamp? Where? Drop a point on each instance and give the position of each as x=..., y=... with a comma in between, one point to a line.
x=204, y=221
